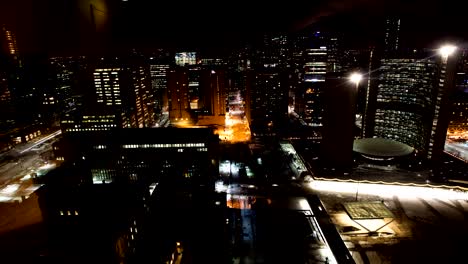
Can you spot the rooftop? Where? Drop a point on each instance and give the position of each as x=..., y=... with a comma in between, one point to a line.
x=381, y=147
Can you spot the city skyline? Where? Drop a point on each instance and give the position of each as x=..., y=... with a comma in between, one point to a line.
x=321, y=132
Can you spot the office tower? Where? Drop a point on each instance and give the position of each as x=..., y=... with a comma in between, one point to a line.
x=143, y=156
x=269, y=100
x=64, y=79
x=447, y=60
x=404, y=96
x=248, y=78
x=334, y=54
x=354, y=59
x=407, y=101
x=159, y=85
x=178, y=96
x=241, y=60
x=213, y=92
x=7, y=118
x=194, y=93
x=9, y=45
x=392, y=36
x=107, y=87
x=458, y=126
x=8, y=82
x=118, y=96
x=309, y=97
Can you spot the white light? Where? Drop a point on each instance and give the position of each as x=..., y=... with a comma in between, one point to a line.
x=10, y=189
x=383, y=190
x=355, y=78
x=447, y=50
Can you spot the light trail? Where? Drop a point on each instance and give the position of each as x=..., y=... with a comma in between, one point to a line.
x=45, y=139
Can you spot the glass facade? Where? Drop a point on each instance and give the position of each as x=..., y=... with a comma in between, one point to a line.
x=315, y=70
x=405, y=101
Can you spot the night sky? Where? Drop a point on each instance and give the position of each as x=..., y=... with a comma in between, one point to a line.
x=66, y=26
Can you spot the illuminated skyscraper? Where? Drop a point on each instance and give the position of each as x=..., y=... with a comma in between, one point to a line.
x=334, y=55
x=119, y=97
x=408, y=102
x=309, y=96
x=159, y=85
x=392, y=35
x=107, y=84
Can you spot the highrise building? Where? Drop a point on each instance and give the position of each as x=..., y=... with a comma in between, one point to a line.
x=159, y=85
x=334, y=54
x=269, y=100
x=64, y=73
x=194, y=91
x=407, y=101
x=178, y=95
x=339, y=113
x=7, y=118
x=119, y=96
x=309, y=98
x=213, y=94
x=458, y=126
x=392, y=36
x=9, y=45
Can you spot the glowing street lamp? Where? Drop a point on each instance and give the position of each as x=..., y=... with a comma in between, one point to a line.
x=447, y=50
x=355, y=78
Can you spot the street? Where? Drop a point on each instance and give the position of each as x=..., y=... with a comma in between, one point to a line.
x=19, y=163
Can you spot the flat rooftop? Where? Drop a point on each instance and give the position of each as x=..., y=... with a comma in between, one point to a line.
x=381, y=147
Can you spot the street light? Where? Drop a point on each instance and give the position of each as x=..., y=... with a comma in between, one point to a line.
x=447, y=50
x=355, y=78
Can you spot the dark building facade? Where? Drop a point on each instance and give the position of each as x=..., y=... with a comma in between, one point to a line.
x=392, y=35
x=141, y=155
x=178, y=95
x=213, y=92
x=313, y=66
x=340, y=98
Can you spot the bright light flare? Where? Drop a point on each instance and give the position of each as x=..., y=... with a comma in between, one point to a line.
x=355, y=78
x=10, y=189
x=447, y=50
x=389, y=190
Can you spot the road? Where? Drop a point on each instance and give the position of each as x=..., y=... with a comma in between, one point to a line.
x=457, y=149
x=18, y=164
